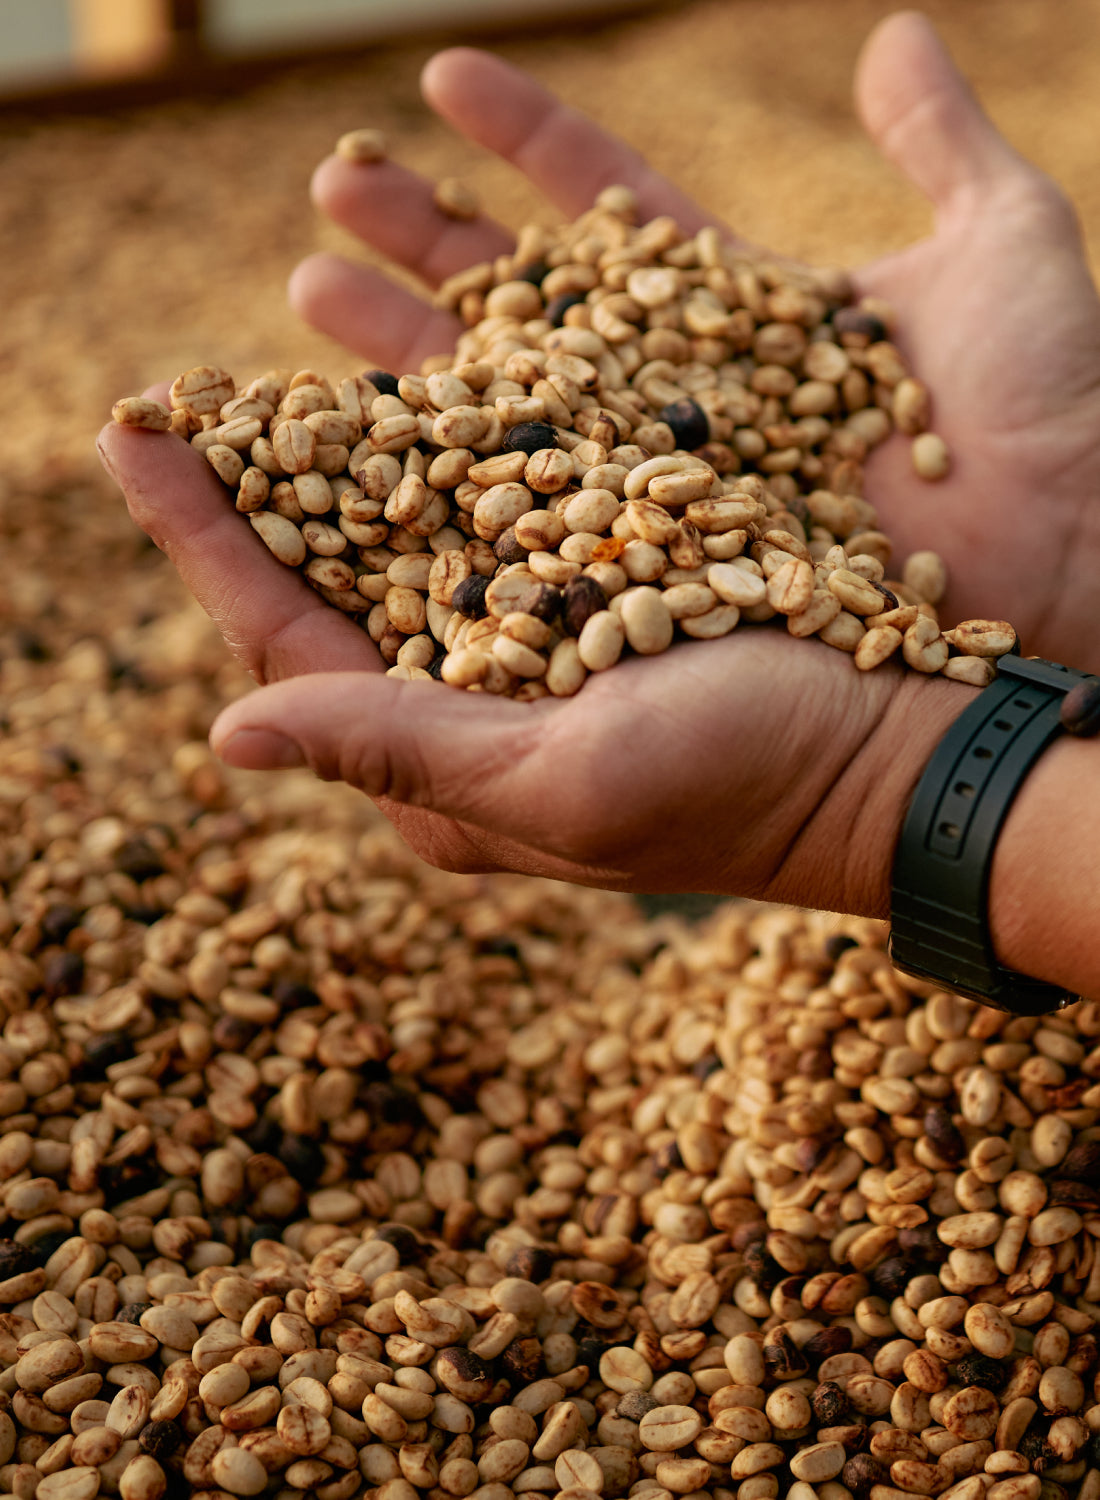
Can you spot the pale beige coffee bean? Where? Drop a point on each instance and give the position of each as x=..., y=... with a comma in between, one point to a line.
x=580, y=1469
x=226, y=463
x=971, y=1414
x=323, y=540
x=735, y=585
x=712, y=625
x=931, y=458
x=857, y=595
x=294, y=446
x=601, y=640
x=682, y=489
x=119, y=1343
x=47, y=1363
x=280, y=536
x=565, y=673
x=984, y=637
x=303, y=1429
x=652, y=522
x=460, y=427
x=977, y=671
x=69, y=1484
x=517, y=658
x=624, y=1369
x=239, y=1472
x=591, y=510
x=714, y=517
x=684, y=600
x=502, y=505
x=989, y=1331
x=821, y=611
x=254, y=487
x=646, y=621
x=844, y=632
x=507, y=593
x=925, y=573
x=389, y=435
x=142, y=1479
x=539, y=530
x=819, y=1462
x=667, y=1428
x=202, y=390
x=911, y=406
x=362, y=146
x=756, y=1458
x=877, y=645
x=1054, y=1226
x=640, y=561
x=790, y=589
x=455, y=199
x=923, y=648
x=335, y=574
x=526, y=629
x=141, y=411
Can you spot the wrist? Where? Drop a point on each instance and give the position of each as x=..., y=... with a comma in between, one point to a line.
x=862, y=813
x=916, y=720
x=1045, y=875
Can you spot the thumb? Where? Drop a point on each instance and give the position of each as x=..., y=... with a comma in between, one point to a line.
x=468, y=756
x=923, y=116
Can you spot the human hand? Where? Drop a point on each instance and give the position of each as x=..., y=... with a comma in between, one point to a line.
x=996, y=311
x=582, y=789
x=756, y=764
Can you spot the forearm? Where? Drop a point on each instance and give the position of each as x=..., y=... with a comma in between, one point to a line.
x=1045, y=885
x=1044, y=893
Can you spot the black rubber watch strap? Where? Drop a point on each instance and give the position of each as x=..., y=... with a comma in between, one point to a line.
x=939, y=926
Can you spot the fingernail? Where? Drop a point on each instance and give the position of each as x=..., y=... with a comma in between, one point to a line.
x=261, y=750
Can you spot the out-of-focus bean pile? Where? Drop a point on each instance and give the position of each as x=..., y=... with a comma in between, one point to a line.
x=325, y=1174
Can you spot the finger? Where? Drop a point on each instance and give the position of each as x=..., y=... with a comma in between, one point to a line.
x=924, y=117
x=393, y=210
x=459, y=776
x=565, y=154
x=481, y=761
x=274, y=623
x=369, y=313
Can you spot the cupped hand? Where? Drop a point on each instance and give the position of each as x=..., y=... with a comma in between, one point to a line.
x=756, y=764
x=996, y=311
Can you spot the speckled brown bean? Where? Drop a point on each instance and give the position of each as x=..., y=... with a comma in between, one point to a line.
x=202, y=390
x=140, y=411
x=279, y=536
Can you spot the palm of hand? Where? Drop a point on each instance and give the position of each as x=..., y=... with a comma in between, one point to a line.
x=1003, y=324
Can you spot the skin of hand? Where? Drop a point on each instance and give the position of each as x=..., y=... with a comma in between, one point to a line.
x=756, y=764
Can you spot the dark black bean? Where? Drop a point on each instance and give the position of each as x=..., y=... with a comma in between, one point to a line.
x=384, y=383
x=582, y=598
x=58, y=921
x=469, y=597
x=861, y=327
x=688, y=420
x=529, y=437
x=303, y=1158
x=138, y=859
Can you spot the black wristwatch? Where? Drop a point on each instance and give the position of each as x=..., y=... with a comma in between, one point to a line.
x=940, y=886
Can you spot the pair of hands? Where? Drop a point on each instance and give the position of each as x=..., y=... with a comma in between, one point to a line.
x=753, y=765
